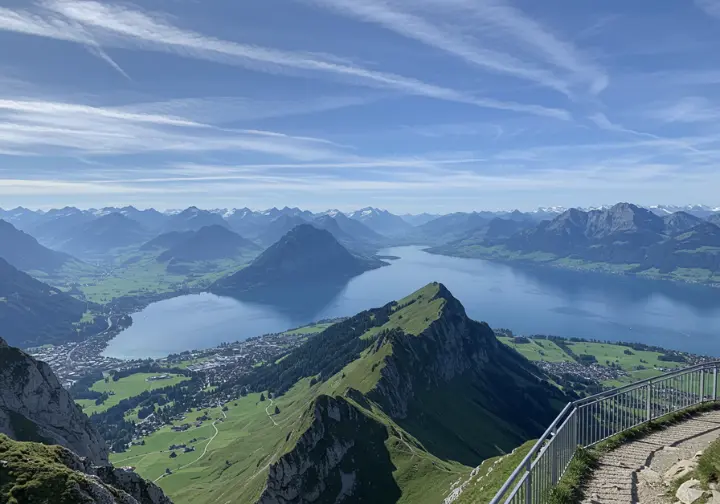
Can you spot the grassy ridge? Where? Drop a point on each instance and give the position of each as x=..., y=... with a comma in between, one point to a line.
x=451, y=424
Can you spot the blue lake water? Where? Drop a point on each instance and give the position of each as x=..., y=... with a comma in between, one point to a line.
x=528, y=301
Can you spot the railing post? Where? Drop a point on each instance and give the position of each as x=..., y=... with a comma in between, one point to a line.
x=528, y=482
x=702, y=386
x=553, y=457
x=715, y=383
x=647, y=405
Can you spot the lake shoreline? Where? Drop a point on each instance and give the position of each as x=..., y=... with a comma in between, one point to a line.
x=552, y=265
x=522, y=297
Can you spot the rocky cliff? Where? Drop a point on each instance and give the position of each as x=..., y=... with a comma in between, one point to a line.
x=37, y=473
x=450, y=346
x=35, y=407
x=341, y=457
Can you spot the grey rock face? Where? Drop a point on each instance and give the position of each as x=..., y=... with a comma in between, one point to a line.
x=35, y=407
x=107, y=484
x=340, y=458
x=288, y=477
x=452, y=345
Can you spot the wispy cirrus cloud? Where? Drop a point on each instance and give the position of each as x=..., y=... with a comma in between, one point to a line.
x=56, y=27
x=70, y=129
x=489, y=19
x=120, y=26
x=218, y=110
x=691, y=109
x=711, y=7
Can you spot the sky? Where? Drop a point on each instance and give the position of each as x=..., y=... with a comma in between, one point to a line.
x=408, y=105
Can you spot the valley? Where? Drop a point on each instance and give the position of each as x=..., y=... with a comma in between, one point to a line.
x=224, y=446
x=217, y=364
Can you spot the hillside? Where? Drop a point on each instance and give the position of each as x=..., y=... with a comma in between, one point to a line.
x=25, y=253
x=353, y=235
x=103, y=234
x=279, y=227
x=621, y=239
x=207, y=244
x=33, y=313
x=391, y=405
x=167, y=240
x=305, y=254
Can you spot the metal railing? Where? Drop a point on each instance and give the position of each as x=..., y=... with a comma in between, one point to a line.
x=588, y=421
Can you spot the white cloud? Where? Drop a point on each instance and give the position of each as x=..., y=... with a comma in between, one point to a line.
x=58, y=128
x=691, y=109
x=54, y=27
x=219, y=110
x=118, y=26
x=488, y=18
x=711, y=7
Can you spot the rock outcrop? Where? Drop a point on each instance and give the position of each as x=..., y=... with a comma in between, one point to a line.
x=341, y=457
x=35, y=407
x=59, y=476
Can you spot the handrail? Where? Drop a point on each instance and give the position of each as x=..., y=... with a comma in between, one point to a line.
x=589, y=420
x=640, y=383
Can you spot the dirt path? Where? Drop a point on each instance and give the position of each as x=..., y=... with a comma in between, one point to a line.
x=201, y=455
x=623, y=478
x=268, y=413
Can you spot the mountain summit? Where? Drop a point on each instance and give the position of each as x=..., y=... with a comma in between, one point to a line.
x=305, y=254
x=391, y=405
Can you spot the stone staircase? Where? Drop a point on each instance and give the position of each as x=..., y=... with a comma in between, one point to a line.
x=641, y=471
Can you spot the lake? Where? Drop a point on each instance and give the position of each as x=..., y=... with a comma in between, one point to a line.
x=526, y=300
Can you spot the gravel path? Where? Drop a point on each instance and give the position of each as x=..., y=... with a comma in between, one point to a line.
x=620, y=478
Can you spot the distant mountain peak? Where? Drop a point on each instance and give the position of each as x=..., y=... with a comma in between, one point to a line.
x=305, y=253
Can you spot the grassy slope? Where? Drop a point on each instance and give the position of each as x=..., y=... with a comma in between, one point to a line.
x=492, y=474
x=34, y=474
x=308, y=329
x=125, y=388
x=249, y=440
x=546, y=350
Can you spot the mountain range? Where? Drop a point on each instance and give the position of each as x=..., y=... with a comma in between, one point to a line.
x=624, y=236
x=102, y=235
x=578, y=235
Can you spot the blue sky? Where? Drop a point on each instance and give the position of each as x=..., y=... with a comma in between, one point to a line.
x=409, y=105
